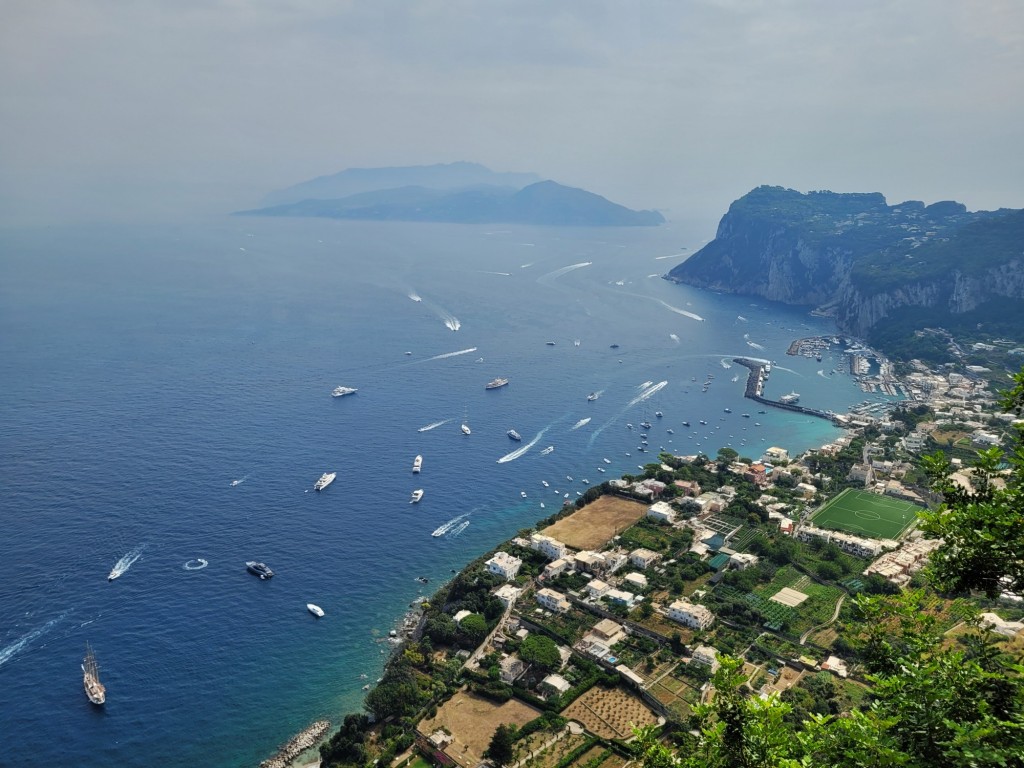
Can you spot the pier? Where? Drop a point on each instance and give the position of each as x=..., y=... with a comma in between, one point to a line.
x=755, y=383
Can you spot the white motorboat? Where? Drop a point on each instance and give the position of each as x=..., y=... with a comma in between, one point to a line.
x=316, y=610
x=466, y=430
x=342, y=391
x=417, y=465
x=416, y=496
x=325, y=479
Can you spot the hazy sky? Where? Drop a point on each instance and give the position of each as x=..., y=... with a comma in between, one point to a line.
x=160, y=106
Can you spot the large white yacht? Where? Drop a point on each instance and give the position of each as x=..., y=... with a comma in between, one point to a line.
x=417, y=465
x=416, y=496
x=325, y=479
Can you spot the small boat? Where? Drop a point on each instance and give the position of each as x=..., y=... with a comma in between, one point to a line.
x=645, y=424
x=600, y=469
x=547, y=450
x=745, y=415
x=703, y=422
x=422, y=579
x=576, y=342
x=513, y=435
x=592, y=396
x=658, y=414
x=569, y=478
x=670, y=431
x=366, y=687
x=686, y=423
x=342, y=391
x=94, y=689
x=496, y=383
x=614, y=346
x=544, y=483
x=259, y=569
x=325, y=479
x=466, y=430
x=417, y=465
x=316, y=610
x=542, y=505
x=550, y=343
x=727, y=410
x=523, y=494
x=416, y=496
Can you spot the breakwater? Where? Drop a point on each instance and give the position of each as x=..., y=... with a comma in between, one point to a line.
x=755, y=383
x=297, y=744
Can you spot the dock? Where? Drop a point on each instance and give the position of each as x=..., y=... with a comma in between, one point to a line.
x=755, y=385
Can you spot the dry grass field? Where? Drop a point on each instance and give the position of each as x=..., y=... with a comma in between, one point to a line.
x=610, y=713
x=593, y=526
x=472, y=721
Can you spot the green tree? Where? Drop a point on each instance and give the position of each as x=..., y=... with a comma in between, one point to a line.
x=500, y=751
x=540, y=650
x=982, y=528
x=474, y=627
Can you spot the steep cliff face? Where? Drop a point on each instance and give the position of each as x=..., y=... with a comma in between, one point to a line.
x=861, y=257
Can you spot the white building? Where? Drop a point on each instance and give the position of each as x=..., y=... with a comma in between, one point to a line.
x=706, y=656
x=551, y=548
x=597, y=588
x=556, y=568
x=742, y=560
x=643, y=558
x=621, y=597
x=553, y=600
x=505, y=565
x=690, y=615
x=507, y=594
x=662, y=512
x=635, y=580
x=555, y=684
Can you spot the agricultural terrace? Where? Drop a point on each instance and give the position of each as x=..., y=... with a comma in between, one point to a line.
x=610, y=713
x=863, y=513
x=472, y=721
x=783, y=614
x=595, y=524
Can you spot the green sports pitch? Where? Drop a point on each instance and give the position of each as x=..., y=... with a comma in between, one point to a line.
x=866, y=514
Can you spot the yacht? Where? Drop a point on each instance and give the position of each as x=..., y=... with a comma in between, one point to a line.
x=316, y=610
x=259, y=569
x=417, y=465
x=416, y=496
x=791, y=398
x=513, y=435
x=342, y=391
x=645, y=424
x=94, y=689
x=325, y=479
x=592, y=396
x=496, y=383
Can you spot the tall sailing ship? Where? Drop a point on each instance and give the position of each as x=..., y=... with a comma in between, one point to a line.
x=91, y=678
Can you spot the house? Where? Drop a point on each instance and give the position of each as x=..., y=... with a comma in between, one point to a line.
x=806, y=490
x=620, y=597
x=553, y=600
x=635, y=580
x=512, y=668
x=643, y=558
x=727, y=492
x=688, y=487
x=507, y=594
x=662, y=512
x=590, y=562
x=649, y=488
x=775, y=454
x=862, y=473
x=786, y=526
x=757, y=474
x=690, y=615
x=504, y=565
x=556, y=568
x=608, y=632
x=551, y=548
x=597, y=588
x=742, y=560
x=555, y=685
x=706, y=656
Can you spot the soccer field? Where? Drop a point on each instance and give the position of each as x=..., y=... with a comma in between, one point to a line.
x=866, y=514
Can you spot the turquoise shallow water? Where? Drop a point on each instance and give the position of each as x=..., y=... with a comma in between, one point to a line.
x=147, y=368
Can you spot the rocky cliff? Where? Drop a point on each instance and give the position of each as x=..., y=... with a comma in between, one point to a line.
x=861, y=259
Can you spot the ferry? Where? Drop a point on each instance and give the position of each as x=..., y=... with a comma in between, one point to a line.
x=417, y=465
x=513, y=435
x=496, y=383
x=325, y=479
x=316, y=610
x=416, y=496
x=259, y=569
x=342, y=391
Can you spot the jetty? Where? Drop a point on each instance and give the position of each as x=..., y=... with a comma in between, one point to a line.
x=298, y=744
x=755, y=384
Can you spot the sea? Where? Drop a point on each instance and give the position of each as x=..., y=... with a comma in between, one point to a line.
x=167, y=409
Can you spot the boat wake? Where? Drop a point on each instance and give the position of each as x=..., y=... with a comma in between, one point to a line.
x=415, y=297
x=441, y=530
x=452, y=323
x=502, y=274
x=822, y=373
x=670, y=256
x=580, y=423
x=647, y=393
x=724, y=364
x=564, y=270
x=458, y=529
x=8, y=653
x=679, y=311
x=674, y=338
x=547, y=450
x=435, y=425
x=195, y=565
x=126, y=562
x=239, y=481
x=755, y=345
x=741, y=318
x=446, y=355
x=520, y=451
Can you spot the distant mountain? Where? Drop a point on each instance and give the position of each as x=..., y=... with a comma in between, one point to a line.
x=356, y=180
x=544, y=202
x=875, y=267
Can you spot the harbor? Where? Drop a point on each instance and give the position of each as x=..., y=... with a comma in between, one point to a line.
x=759, y=372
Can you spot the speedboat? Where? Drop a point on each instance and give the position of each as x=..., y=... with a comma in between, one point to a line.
x=645, y=424
x=544, y=483
x=513, y=435
x=417, y=465
x=342, y=391
x=259, y=569
x=416, y=496
x=325, y=479
x=727, y=410
x=550, y=343
x=659, y=414
x=523, y=494
x=495, y=383
x=592, y=396
x=316, y=610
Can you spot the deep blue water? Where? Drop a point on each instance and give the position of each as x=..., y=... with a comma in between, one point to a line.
x=146, y=368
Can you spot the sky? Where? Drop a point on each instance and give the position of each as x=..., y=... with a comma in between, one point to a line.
x=121, y=109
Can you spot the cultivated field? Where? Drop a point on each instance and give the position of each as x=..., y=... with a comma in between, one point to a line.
x=472, y=721
x=863, y=513
x=609, y=713
x=594, y=525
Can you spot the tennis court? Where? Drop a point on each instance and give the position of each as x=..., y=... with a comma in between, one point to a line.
x=863, y=513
